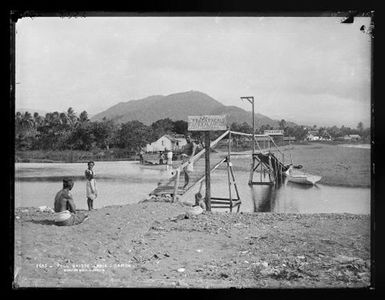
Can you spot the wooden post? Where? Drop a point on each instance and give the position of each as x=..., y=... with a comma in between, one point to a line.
x=176, y=185
x=251, y=171
x=271, y=169
x=229, y=183
x=207, y=170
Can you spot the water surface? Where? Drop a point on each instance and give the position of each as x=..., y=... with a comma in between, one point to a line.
x=123, y=182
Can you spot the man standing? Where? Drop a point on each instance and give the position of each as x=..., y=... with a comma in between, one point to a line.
x=187, y=154
x=65, y=209
x=141, y=156
x=169, y=159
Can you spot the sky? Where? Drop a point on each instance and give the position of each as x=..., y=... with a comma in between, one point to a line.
x=309, y=70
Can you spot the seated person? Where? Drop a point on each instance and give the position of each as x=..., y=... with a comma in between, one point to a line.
x=199, y=201
x=64, y=206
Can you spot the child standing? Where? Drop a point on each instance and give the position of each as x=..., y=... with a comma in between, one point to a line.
x=91, y=192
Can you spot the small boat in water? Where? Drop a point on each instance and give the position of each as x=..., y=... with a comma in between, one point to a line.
x=303, y=178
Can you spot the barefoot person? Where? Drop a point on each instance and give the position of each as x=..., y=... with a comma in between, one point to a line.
x=187, y=154
x=169, y=160
x=199, y=201
x=91, y=192
x=65, y=210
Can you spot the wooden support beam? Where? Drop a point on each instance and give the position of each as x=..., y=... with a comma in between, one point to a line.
x=262, y=183
x=228, y=163
x=176, y=185
x=207, y=171
x=214, y=202
x=235, y=184
x=252, y=170
x=221, y=206
x=212, y=170
x=255, y=168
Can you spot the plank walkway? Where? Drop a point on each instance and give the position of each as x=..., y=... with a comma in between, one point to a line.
x=195, y=177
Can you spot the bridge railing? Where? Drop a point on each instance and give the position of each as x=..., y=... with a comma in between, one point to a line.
x=262, y=135
x=200, y=153
x=192, y=160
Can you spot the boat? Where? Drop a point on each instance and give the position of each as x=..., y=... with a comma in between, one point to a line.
x=303, y=178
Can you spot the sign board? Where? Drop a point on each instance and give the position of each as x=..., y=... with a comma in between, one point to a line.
x=207, y=123
x=273, y=132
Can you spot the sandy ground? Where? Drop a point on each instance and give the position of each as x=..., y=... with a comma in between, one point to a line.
x=156, y=244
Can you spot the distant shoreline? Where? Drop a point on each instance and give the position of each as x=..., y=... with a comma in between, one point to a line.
x=360, y=146
x=339, y=166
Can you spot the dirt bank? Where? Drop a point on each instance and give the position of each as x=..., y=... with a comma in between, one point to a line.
x=147, y=245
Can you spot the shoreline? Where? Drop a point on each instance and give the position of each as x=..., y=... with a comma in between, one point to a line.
x=155, y=244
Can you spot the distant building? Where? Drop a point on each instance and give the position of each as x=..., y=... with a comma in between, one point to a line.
x=167, y=142
x=313, y=132
x=276, y=134
x=289, y=138
x=352, y=137
x=312, y=135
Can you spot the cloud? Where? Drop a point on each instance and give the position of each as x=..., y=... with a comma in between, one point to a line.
x=92, y=61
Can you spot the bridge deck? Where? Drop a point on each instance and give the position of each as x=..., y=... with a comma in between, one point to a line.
x=197, y=175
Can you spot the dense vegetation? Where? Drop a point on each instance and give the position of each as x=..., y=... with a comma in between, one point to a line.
x=66, y=131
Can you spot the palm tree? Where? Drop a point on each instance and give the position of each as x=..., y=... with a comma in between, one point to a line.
x=18, y=116
x=27, y=121
x=38, y=119
x=282, y=124
x=360, y=127
x=72, y=116
x=63, y=118
x=83, y=117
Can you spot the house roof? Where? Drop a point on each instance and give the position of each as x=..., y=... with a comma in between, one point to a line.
x=174, y=138
x=313, y=132
x=170, y=137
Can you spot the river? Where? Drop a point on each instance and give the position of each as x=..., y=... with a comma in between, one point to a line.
x=124, y=182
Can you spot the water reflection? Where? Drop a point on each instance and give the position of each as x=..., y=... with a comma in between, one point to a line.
x=300, y=186
x=263, y=201
x=264, y=197
x=128, y=182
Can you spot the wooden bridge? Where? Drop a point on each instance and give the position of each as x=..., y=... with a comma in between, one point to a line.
x=266, y=160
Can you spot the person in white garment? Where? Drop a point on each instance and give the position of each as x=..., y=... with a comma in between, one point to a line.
x=169, y=160
x=91, y=192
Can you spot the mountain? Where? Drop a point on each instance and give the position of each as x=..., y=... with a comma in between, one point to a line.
x=177, y=107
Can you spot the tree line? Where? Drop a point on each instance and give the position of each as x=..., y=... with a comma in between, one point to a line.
x=301, y=131
x=68, y=131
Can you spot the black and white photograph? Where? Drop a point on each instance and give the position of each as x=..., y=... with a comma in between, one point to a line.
x=193, y=151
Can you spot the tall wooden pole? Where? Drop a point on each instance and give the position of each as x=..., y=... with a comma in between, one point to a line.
x=207, y=170
x=252, y=103
x=251, y=100
x=228, y=171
